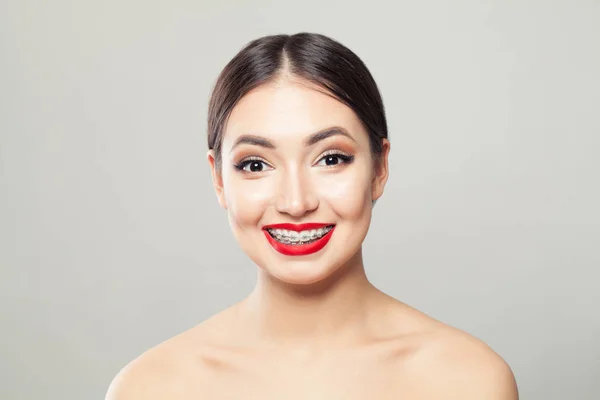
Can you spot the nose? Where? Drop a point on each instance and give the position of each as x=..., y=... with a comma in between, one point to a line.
x=296, y=195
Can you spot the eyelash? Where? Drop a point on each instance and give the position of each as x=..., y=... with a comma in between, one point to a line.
x=242, y=164
x=345, y=158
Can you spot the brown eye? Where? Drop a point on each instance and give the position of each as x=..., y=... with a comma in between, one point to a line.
x=331, y=160
x=253, y=165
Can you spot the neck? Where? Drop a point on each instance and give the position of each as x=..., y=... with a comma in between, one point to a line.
x=331, y=311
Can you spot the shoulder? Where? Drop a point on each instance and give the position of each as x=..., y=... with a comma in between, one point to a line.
x=175, y=368
x=137, y=380
x=456, y=365
x=440, y=361
x=149, y=376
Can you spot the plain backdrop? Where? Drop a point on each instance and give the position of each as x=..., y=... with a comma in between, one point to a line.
x=111, y=238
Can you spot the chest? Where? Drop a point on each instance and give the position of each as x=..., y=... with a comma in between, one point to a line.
x=347, y=379
x=297, y=386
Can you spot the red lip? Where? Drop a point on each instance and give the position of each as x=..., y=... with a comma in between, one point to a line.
x=297, y=227
x=298, y=249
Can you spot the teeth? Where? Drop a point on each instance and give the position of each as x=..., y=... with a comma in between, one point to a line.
x=293, y=237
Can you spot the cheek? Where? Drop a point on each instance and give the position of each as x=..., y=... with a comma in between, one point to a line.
x=348, y=194
x=246, y=200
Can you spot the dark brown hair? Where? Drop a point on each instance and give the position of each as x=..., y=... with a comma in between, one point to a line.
x=313, y=57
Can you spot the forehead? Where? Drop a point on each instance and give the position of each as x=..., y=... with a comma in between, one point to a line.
x=290, y=110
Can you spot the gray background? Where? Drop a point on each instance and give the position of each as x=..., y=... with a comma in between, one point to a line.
x=111, y=239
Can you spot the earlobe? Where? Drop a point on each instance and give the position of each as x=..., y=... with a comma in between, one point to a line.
x=217, y=178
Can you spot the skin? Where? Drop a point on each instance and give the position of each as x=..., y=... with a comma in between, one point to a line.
x=314, y=327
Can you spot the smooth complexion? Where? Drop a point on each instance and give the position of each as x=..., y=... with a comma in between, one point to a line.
x=300, y=298
x=296, y=184
x=314, y=327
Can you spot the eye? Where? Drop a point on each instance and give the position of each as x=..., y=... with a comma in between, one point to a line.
x=334, y=158
x=253, y=164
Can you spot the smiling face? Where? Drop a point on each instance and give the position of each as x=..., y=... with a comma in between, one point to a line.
x=292, y=154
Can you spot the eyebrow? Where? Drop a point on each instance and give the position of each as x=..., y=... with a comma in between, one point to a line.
x=262, y=141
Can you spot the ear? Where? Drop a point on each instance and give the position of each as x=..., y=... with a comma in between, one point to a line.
x=381, y=171
x=217, y=179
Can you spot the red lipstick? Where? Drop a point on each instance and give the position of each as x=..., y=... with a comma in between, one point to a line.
x=298, y=249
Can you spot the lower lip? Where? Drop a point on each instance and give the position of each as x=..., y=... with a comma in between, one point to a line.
x=299, y=249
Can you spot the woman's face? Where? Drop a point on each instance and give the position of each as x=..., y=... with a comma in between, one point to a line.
x=294, y=155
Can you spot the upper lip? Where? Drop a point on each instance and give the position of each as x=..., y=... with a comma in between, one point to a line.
x=298, y=227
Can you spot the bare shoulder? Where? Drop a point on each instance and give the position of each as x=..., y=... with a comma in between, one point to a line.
x=445, y=362
x=143, y=378
x=173, y=369
x=455, y=365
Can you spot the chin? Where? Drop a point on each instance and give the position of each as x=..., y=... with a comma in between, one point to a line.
x=312, y=269
x=302, y=273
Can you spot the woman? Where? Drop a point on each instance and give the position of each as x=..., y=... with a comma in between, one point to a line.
x=299, y=154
